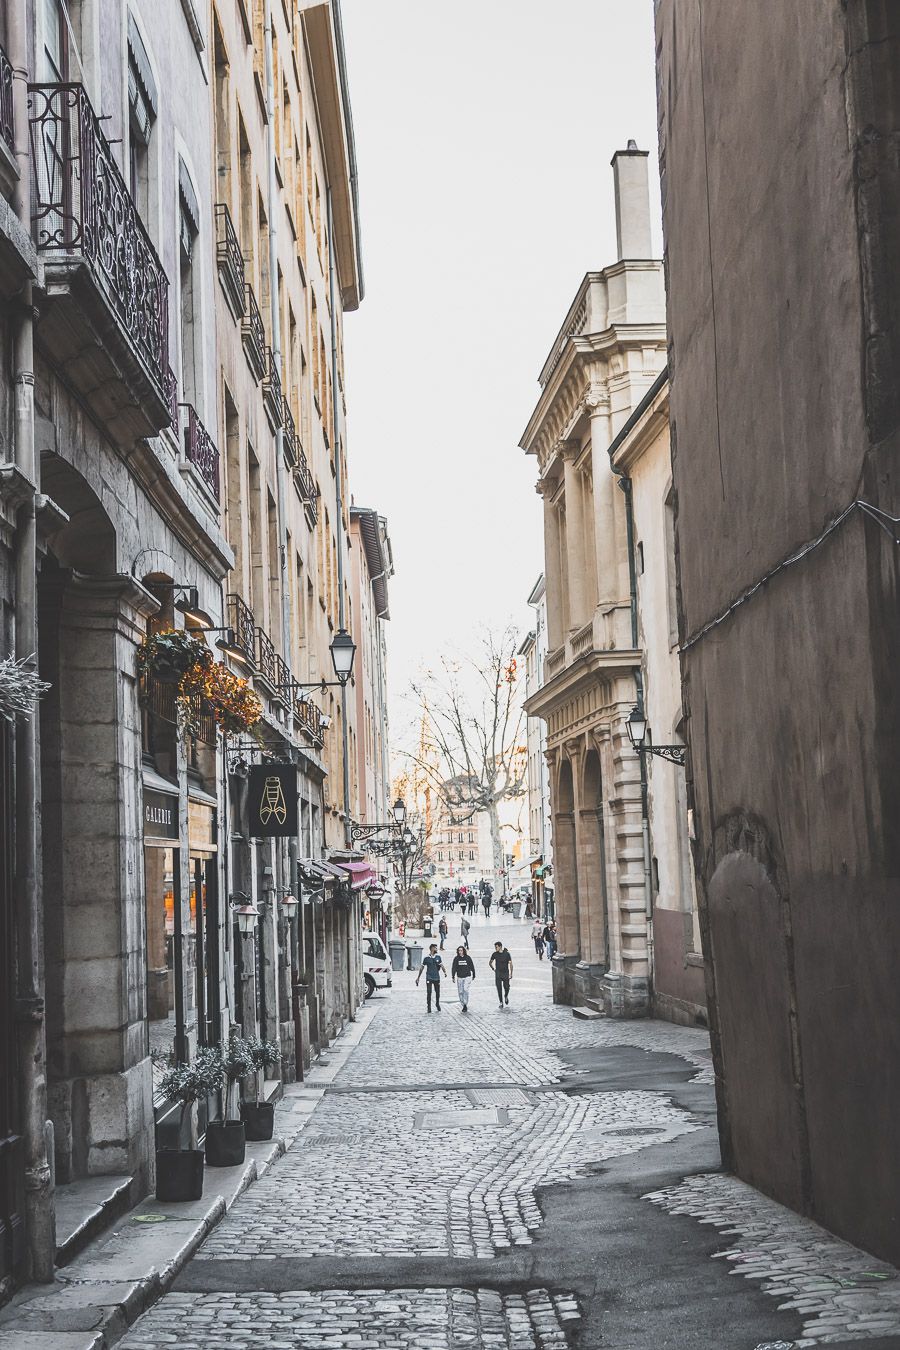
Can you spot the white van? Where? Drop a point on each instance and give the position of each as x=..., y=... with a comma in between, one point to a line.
x=376, y=964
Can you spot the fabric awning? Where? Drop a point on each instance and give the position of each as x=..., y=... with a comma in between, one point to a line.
x=527, y=862
x=360, y=874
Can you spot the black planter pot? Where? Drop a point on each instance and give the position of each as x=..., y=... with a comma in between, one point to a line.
x=179, y=1174
x=259, y=1119
x=225, y=1143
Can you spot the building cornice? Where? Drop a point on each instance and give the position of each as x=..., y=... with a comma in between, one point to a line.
x=643, y=427
x=580, y=674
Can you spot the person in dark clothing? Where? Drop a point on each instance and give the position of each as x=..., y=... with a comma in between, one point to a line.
x=550, y=939
x=463, y=972
x=433, y=967
x=443, y=929
x=501, y=964
x=464, y=927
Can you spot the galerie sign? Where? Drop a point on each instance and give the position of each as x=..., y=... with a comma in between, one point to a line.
x=272, y=798
x=160, y=814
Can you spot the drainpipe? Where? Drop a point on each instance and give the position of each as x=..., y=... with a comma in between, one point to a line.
x=626, y=486
x=275, y=319
x=39, y=1214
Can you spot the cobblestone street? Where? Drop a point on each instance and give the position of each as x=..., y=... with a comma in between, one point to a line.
x=515, y=1178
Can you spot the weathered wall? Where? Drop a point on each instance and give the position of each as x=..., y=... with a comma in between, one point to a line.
x=780, y=184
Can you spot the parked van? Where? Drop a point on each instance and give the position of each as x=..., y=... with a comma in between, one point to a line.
x=376, y=964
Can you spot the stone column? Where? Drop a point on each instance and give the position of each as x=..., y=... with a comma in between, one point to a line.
x=576, y=552
x=592, y=880
x=556, y=618
x=628, y=977
x=607, y=511
x=100, y=1097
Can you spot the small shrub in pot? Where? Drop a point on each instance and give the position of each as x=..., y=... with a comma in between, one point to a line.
x=179, y=1171
x=259, y=1116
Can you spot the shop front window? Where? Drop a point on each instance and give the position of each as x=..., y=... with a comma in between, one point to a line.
x=162, y=899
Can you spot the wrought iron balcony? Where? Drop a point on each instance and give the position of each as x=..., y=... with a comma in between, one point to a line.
x=305, y=486
x=267, y=658
x=291, y=444
x=200, y=449
x=309, y=717
x=253, y=335
x=230, y=260
x=106, y=315
x=6, y=101
x=240, y=617
x=272, y=396
x=172, y=398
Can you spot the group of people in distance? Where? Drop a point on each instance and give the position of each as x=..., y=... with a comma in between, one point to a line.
x=543, y=935
x=467, y=897
x=462, y=972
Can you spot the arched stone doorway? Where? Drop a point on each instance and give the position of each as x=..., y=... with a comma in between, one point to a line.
x=592, y=867
x=90, y=619
x=566, y=864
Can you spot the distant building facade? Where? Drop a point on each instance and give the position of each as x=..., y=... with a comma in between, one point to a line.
x=780, y=180
x=540, y=838
x=607, y=354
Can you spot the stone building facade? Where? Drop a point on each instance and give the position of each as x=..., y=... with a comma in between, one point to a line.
x=178, y=244
x=608, y=352
x=640, y=457
x=537, y=870
x=780, y=181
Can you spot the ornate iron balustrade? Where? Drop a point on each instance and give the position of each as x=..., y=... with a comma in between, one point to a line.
x=172, y=398
x=284, y=679
x=266, y=657
x=240, y=617
x=230, y=260
x=306, y=488
x=253, y=335
x=272, y=396
x=6, y=101
x=309, y=717
x=200, y=449
x=289, y=436
x=81, y=205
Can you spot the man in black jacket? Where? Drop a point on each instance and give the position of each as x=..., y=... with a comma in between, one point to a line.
x=501, y=964
x=463, y=972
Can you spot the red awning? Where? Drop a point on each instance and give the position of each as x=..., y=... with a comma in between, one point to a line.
x=360, y=873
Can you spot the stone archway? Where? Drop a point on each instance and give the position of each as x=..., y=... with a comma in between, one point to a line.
x=592, y=865
x=90, y=619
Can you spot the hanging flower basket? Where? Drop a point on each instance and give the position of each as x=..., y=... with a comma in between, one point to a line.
x=20, y=688
x=168, y=655
x=233, y=704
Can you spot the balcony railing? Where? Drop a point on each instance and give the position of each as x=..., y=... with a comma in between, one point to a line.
x=272, y=397
x=253, y=335
x=81, y=205
x=309, y=717
x=284, y=679
x=240, y=617
x=172, y=398
x=230, y=260
x=267, y=658
x=306, y=488
x=291, y=445
x=200, y=449
x=6, y=101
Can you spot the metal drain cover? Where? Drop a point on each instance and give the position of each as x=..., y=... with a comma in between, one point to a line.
x=628, y=1130
x=498, y=1097
x=460, y=1120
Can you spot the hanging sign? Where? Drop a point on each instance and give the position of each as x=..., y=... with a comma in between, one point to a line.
x=374, y=891
x=160, y=814
x=272, y=800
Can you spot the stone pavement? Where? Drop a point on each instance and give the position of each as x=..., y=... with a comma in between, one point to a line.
x=513, y=1178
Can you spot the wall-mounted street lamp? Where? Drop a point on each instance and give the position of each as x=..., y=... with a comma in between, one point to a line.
x=228, y=644
x=398, y=810
x=343, y=650
x=244, y=911
x=637, y=733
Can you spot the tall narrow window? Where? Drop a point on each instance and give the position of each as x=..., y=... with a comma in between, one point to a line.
x=247, y=193
x=142, y=108
x=188, y=230
x=223, y=119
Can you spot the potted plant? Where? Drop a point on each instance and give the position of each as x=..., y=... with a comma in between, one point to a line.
x=20, y=688
x=259, y=1117
x=179, y=1171
x=225, y=1138
x=168, y=655
x=233, y=704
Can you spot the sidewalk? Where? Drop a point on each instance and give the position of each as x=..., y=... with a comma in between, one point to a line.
x=99, y=1294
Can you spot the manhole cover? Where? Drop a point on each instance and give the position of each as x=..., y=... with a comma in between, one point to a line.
x=460, y=1120
x=626, y=1130
x=498, y=1097
x=149, y=1218
x=329, y=1140
x=775, y=1345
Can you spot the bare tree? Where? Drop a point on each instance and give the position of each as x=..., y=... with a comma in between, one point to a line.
x=476, y=727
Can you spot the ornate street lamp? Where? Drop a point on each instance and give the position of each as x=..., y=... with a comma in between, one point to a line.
x=245, y=912
x=399, y=811
x=343, y=650
x=638, y=730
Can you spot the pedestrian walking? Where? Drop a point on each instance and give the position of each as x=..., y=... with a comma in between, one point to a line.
x=537, y=937
x=463, y=972
x=433, y=968
x=443, y=929
x=473, y=903
x=549, y=935
x=464, y=927
x=501, y=964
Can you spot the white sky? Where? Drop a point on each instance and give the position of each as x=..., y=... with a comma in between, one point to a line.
x=484, y=131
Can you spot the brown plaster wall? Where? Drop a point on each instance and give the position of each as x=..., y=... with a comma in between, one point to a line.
x=674, y=979
x=781, y=184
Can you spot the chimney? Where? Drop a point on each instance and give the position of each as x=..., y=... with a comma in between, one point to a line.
x=632, y=190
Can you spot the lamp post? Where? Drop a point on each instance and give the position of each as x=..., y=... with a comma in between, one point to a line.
x=638, y=732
